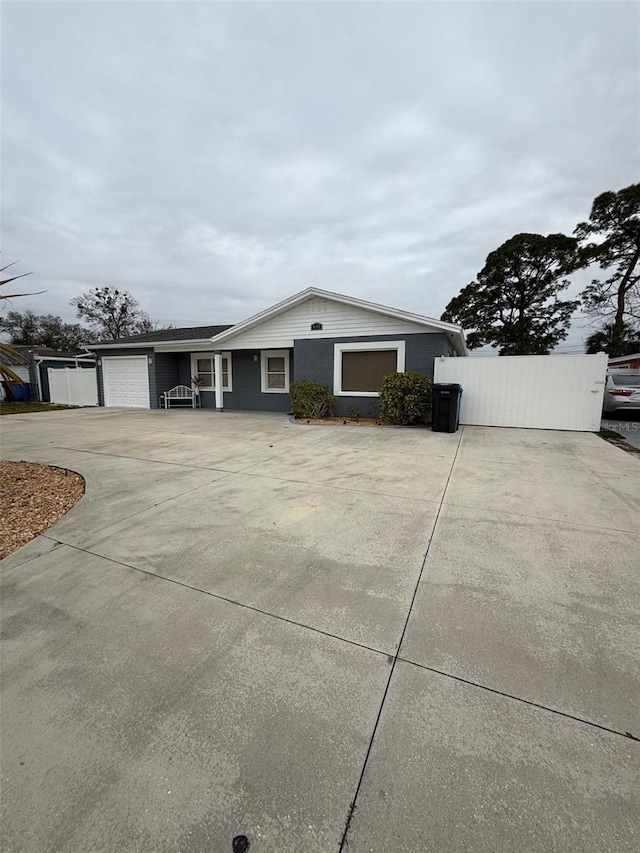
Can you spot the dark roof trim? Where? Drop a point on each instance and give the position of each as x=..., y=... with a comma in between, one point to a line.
x=166, y=336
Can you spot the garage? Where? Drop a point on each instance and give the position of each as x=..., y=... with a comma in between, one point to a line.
x=126, y=381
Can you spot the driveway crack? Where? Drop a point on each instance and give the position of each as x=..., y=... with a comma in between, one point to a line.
x=394, y=661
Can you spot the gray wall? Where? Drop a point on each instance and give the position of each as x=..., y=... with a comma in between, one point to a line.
x=246, y=395
x=167, y=374
x=314, y=360
x=33, y=379
x=184, y=369
x=310, y=359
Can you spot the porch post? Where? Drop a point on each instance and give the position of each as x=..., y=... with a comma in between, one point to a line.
x=217, y=372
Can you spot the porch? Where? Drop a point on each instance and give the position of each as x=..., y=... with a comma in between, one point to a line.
x=241, y=380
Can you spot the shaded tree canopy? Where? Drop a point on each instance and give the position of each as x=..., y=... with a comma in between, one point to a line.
x=514, y=302
x=44, y=330
x=611, y=239
x=602, y=340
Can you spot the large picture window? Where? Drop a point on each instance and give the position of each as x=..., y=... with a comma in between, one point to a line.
x=359, y=368
x=275, y=371
x=202, y=371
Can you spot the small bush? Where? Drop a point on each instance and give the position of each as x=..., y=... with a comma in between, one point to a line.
x=310, y=399
x=405, y=398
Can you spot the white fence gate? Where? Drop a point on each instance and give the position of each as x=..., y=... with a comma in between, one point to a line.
x=536, y=391
x=73, y=386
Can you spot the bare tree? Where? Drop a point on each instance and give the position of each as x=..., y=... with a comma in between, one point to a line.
x=111, y=313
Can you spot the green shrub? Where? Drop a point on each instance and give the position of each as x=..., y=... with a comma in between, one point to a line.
x=405, y=398
x=310, y=399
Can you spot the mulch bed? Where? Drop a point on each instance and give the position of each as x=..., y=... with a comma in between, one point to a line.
x=623, y=445
x=29, y=408
x=32, y=498
x=344, y=421
x=353, y=422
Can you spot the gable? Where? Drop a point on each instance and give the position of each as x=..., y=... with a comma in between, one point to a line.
x=337, y=319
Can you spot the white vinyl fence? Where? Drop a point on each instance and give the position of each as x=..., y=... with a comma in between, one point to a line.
x=73, y=386
x=536, y=391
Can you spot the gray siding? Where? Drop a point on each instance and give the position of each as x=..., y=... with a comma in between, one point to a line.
x=310, y=359
x=167, y=374
x=246, y=395
x=148, y=351
x=33, y=378
x=184, y=368
x=314, y=360
x=44, y=384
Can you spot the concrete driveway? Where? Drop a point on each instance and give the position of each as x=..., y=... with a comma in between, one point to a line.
x=322, y=638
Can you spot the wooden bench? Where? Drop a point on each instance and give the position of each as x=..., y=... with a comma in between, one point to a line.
x=180, y=394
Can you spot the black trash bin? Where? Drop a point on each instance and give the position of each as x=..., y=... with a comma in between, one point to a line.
x=445, y=407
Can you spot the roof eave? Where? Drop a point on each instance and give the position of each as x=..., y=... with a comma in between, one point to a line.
x=147, y=344
x=624, y=358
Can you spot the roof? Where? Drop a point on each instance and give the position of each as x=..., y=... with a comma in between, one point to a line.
x=47, y=352
x=448, y=328
x=167, y=336
x=13, y=360
x=220, y=334
x=622, y=358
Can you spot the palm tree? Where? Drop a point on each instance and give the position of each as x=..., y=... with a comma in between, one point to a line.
x=6, y=350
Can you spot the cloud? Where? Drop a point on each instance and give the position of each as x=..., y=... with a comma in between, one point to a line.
x=214, y=158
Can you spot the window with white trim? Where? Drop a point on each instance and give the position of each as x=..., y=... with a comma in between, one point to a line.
x=203, y=372
x=275, y=371
x=359, y=368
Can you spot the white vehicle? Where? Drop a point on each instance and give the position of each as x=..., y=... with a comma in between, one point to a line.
x=622, y=392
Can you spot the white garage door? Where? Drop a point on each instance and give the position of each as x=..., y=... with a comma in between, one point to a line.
x=126, y=381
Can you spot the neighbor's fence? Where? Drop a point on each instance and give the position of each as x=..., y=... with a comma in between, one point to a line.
x=73, y=386
x=537, y=391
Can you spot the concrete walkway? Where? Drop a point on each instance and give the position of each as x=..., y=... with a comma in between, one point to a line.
x=322, y=638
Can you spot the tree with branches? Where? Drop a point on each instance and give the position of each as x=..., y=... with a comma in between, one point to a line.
x=602, y=340
x=611, y=239
x=514, y=303
x=112, y=313
x=45, y=330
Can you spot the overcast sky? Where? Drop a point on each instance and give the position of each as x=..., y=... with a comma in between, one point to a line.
x=215, y=158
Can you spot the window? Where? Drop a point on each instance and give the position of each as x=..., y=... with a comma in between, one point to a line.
x=203, y=373
x=630, y=380
x=358, y=368
x=275, y=371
